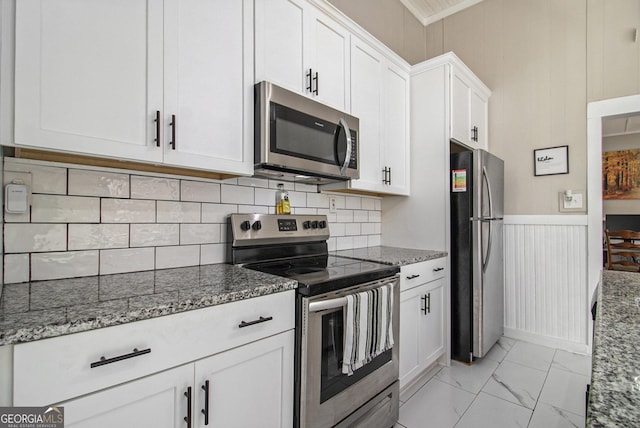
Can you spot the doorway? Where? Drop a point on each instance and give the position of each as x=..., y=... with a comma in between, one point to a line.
x=596, y=113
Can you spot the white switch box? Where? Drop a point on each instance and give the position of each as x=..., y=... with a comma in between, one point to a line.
x=575, y=203
x=16, y=198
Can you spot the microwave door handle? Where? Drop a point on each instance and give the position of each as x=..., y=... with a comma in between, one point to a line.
x=347, y=132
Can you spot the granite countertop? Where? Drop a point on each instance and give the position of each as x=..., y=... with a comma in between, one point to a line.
x=614, y=395
x=42, y=309
x=391, y=255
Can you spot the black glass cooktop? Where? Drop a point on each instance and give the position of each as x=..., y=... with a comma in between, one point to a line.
x=322, y=274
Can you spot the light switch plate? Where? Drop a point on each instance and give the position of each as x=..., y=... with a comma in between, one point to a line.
x=576, y=204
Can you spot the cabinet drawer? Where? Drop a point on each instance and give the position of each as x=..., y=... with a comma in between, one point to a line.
x=51, y=370
x=419, y=273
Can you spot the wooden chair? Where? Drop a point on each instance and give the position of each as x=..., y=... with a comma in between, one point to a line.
x=623, y=250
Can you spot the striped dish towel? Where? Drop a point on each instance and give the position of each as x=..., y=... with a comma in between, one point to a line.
x=368, y=327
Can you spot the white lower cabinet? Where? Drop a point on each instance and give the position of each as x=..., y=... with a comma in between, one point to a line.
x=423, y=324
x=250, y=386
x=231, y=363
x=257, y=376
x=155, y=401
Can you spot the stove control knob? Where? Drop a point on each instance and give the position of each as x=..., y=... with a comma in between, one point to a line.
x=245, y=225
x=322, y=224
x=314, y=224
x=306, y=224
x=257, y=225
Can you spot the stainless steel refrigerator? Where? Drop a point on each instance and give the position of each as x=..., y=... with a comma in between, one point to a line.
x=477, y=257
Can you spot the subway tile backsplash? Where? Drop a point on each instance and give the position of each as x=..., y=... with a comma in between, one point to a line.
x=95, y=221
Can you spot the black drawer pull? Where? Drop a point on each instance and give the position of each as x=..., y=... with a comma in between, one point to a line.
x=258, y=321
x=135, y=353
x=413, y=276
x=438, y=269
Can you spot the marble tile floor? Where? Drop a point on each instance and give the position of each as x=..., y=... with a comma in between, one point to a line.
x=518, y=384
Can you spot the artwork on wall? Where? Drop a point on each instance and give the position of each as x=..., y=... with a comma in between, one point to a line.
x=621, y=174
x=551, y=161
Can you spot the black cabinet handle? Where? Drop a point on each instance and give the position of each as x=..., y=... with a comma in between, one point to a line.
x=173, y=132
x=187, y=418
x=315, y=79
x=135, y=353
x=424, y=304
x=310, y=81
x=438, y=269
x=474, y=133
x=205, y=411
x=413, y=276
x=244, y=324
x=429, y=303
x=386, y=175
x=157, y=121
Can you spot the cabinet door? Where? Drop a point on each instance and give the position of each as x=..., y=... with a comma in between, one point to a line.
x=328, y=56
x=411, y=328
x=279, y=29
x=434, y=323
x=366, y=105
x=209, y=85
x=157, y=401
x=422, y=321
x=249, y=386
x=479, y=119
x=396, y=129
x=460, y=109
x=88, y=76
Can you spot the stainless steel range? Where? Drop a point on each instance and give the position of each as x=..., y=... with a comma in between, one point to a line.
x=295, y=246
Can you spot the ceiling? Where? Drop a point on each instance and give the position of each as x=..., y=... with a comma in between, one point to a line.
x=621, y=126
x=428, y=11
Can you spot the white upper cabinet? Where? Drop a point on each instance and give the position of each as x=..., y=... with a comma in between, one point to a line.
x=109, y=79
x=396, y=130
x=328, y=61
x=302, y=49
x=209, y=85
x=367, y=68
x=469, y=108
x=380, y=99
x=279, y=26
x=88, y=76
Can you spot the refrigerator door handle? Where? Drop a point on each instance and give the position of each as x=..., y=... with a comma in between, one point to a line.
x=485, y=262
x=485, y=177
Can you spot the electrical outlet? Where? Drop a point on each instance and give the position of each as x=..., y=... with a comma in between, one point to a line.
x=332, y=205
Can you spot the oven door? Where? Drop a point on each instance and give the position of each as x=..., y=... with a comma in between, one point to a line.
x=326, y=395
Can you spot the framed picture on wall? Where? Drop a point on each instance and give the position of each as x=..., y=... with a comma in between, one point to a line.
x=551, y=161
x=621, y=174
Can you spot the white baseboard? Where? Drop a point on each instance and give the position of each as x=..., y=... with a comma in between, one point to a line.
x=552, y=342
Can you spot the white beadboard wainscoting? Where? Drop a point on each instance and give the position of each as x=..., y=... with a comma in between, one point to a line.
x=546, y=298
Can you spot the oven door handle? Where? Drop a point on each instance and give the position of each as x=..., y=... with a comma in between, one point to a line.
x=327, y=304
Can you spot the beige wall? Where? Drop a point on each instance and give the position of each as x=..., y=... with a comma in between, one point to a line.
x=391, y=23
x=544, y=60
x=614, y=53
x=532, y=55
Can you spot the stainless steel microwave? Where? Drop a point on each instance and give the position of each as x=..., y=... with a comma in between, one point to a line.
x=299, y=139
